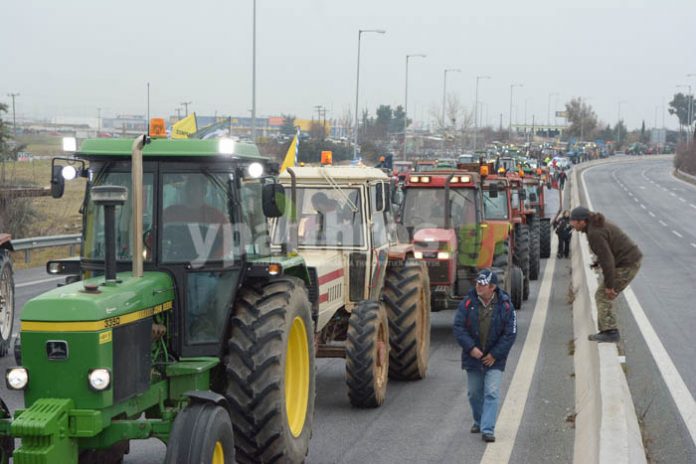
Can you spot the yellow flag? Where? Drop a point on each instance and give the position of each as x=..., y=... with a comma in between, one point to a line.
x=291, y=157
x=184, y=128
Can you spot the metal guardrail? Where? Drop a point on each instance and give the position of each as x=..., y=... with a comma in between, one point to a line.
x=33, y=243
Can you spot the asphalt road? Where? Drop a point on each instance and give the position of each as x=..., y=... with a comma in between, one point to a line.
x=658, y=212
x=428, y=421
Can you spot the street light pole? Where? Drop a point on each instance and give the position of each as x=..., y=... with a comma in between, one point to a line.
x=512, y=86
x=691, y=109
x=688, y=112
x=476, y=102
x=618, y=124
x=14, y=120
x=417, y=55
x=253, y=77
x=444, y=93
x=357, y=91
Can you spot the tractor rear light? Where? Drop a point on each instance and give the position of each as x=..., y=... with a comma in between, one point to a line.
x=17, y=378
x=99, y=379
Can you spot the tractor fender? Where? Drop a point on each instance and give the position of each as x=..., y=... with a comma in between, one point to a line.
x=204, y=396
x=400, y=252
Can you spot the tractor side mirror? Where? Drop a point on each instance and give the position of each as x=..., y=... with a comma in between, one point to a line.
x=273, y=200
x=533, y=197
x=57, y=181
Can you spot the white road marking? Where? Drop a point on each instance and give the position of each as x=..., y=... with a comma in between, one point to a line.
x=677, y=234
x=642, y=206
x=642, y=186
x=673, y=194
x=629, y=194
x=683, y=399
x=662, y=223
x=693, y=244
x=635, y=199
x=682, y=199
x=516, y=398
x=651, y=213
x=42, y=281
x=692, y=205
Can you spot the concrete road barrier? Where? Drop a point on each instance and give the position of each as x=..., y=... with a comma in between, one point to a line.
x=606, y=426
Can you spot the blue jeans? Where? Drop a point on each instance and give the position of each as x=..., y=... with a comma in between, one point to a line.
x=484, y=392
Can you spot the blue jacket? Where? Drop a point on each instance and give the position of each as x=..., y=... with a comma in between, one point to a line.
x=502, y=333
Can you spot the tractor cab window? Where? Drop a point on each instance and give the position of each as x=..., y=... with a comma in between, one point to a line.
x=196, y=218
x=532, y=195
x=495, y=208
x=423, y=208
x=94, y=237
x=325, y=217
x=379, y=222
x=462, y=207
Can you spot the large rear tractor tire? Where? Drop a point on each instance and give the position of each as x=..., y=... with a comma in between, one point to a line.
x=367, y=355
x=516, y=287
x=201, y=433
x=406, y=294
x=6, y=302
x=534, y=255
x=521, y=256
x=270, y=372
x=544, y=238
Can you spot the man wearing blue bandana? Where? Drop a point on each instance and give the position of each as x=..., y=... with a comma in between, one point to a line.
x=485, y=326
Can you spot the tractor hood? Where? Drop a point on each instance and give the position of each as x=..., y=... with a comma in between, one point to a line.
x=74, y=303
x=430, y=238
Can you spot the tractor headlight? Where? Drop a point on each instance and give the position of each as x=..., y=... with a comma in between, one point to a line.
x=17, y=378
x=443, y=255
x=69, y=172
x=99, y=379
x=418, y=254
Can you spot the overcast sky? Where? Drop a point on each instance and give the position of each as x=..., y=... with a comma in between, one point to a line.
x=70, y=57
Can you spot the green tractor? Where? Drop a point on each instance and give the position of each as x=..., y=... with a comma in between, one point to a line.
x=177, y=322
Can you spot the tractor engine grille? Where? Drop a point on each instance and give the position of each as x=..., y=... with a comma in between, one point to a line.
x=132, y=359
x=358, y=267
x=438, y=272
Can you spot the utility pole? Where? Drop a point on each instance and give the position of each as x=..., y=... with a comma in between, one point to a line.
x=178, y=113
x=98, y=121
x=14, y=120
x=357, y=90
x=186, y=105
x=548, y=113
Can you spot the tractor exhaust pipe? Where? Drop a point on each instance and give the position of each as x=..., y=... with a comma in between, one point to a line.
x=137, y=198
x=448, y=207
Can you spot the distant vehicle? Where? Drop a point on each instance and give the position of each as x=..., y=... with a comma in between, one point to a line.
x=466, y=158
x=446, y=163
x=563, y=163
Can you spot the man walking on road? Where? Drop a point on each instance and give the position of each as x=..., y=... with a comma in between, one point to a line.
x=485, y=326
x=617, y=256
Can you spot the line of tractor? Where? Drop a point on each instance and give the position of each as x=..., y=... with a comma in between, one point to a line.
x=208, y=283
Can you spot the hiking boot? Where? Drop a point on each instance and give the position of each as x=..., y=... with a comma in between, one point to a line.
x=608, y=336
x=475, y=429
x=488, y=437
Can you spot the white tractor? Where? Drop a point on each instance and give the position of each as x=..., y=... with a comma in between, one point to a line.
x=371, y=298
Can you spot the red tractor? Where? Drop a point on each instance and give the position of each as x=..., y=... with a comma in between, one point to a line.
x=443, y=215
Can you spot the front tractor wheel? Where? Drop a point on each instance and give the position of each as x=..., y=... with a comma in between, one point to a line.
x=202, y=433
x=367, y=355
x=407, y=297
x=270, y=372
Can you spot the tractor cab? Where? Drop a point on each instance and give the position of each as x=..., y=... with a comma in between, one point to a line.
x=202, y=225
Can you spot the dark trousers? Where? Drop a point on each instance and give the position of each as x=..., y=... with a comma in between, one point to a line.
x=563, y=246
